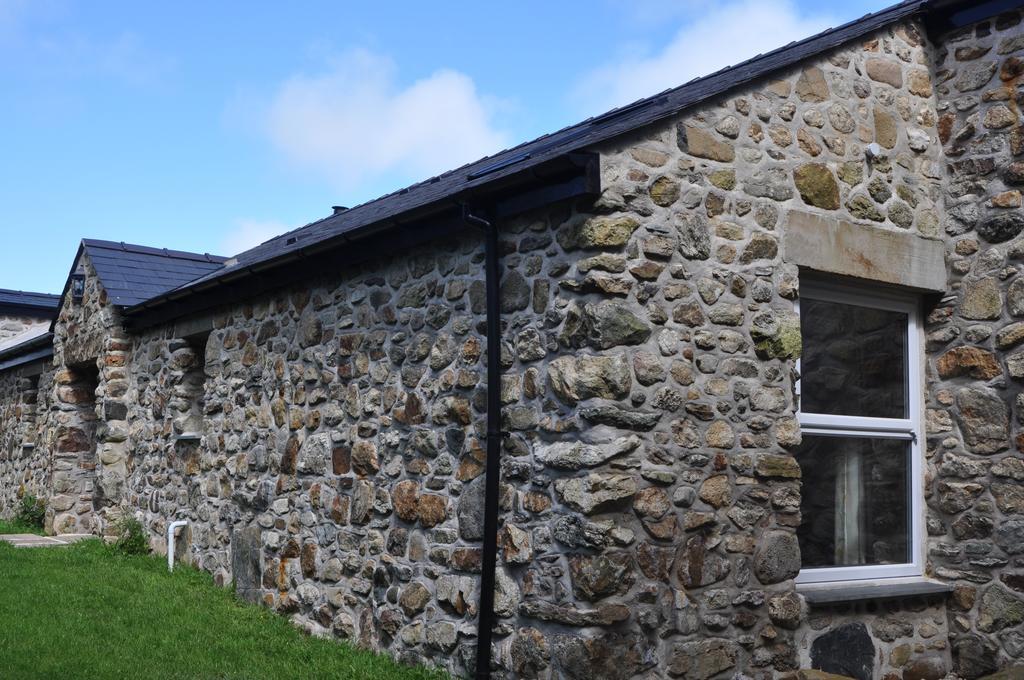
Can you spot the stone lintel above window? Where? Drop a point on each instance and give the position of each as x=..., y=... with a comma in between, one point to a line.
x=835, y=246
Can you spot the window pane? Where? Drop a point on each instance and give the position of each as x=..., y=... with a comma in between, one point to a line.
x=854, y=360
x=854, y=505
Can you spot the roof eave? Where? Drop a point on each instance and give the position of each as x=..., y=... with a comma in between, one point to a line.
x=577, y=174
x=38, y=347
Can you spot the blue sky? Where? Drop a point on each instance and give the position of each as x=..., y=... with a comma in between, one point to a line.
x=213, y=126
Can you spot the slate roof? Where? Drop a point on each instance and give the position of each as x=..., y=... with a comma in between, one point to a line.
x=31, y=333
x=381, y=212
x=35, y=301
x=132, y=274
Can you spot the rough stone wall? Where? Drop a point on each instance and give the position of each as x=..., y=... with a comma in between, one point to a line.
x=342, y=429
x=650, y=497
x=976, y=409
x=23, y=469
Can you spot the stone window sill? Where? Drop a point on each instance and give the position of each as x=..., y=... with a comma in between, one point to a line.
x=875, y=589
x=188, y=437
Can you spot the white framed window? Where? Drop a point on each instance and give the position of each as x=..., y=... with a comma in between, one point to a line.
x=859, y=390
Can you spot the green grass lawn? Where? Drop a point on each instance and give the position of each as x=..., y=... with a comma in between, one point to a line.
x=12, y=526
x=85, y=612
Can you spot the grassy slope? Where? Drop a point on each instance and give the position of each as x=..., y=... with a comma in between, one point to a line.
x=82, y=612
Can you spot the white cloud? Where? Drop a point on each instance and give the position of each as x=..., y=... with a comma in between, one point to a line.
x=722, y=35
x=248, y=234
x=655, y=13
x=354, y=122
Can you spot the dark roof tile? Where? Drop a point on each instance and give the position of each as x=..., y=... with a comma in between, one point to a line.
x=132, y=274
x=20, y=298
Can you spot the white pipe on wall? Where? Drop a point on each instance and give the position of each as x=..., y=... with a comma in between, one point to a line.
x=170, y=541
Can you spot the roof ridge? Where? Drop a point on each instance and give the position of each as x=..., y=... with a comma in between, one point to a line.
x=12, y=291
x=152, y=250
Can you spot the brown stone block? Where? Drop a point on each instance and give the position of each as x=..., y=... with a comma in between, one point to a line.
x=405, y=498
x=307, y=560
x=885, y=128
x=701, y=143
x=811, y=86
x=431, y=509
x=290, y=456
x=73, y=439
x=467, y=559
x=340, y=509
x=885, y=71
x=341, y=460
x=975, y=362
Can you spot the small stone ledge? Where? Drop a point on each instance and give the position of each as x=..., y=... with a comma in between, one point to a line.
x=878, y=589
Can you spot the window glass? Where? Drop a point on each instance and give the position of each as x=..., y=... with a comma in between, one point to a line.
x=854, y=360
x=855, y=501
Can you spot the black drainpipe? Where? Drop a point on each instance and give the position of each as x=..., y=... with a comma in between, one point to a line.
x=485, y=616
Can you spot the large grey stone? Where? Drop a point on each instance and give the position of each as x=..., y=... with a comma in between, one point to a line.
x=886, y=71
x=530, y=653
x=577, y=455
x=694, y=236
x=811, y=86
x=614, y=656
x=595, y=577
x=314, y=454
x=515, y=292
x=925, y=668
x=623, y=418
x=1015, y=297
x=246, y=562
x=1000, y=227
x=601, y=615
x=596, y=492
x=576, y=532
x=845, y=650
x=702, y=659
x=777, y=557
x=974, y=656
x=470, y=510
x=612, y=323
x=772, y=183
x=984, y=420
x=974, y=76
x=1009, y=536
x=981, y=299
x=575, y=379
x=701, y=143
x=999, y=609
x=611, y=232
x=696, y=566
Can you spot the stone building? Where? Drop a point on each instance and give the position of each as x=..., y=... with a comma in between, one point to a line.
x=746, y=401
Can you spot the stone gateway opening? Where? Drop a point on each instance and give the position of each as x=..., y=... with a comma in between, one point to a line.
x=74, y=450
